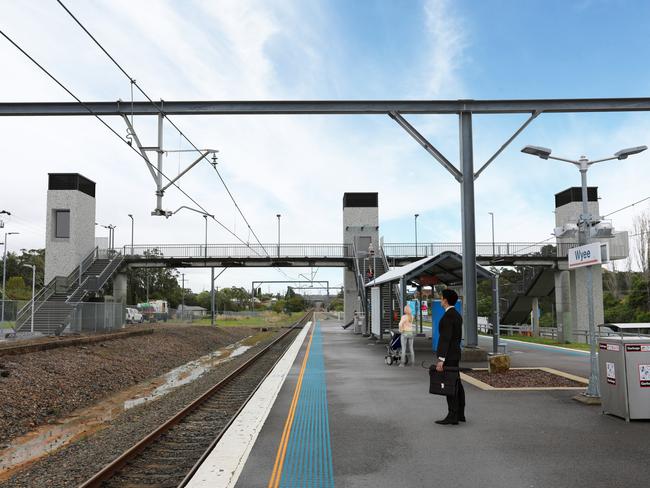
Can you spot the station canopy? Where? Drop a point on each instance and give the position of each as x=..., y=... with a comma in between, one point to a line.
x=445, y=268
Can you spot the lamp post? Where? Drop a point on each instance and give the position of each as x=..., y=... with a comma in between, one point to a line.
x=278, y=216
x=183, y=295
x=33, y=266
x=492, y=215
x=4, y=275
x=416, y=234
x=111, y=235
x=132, y=225
x=593, y=390
x=205, y=251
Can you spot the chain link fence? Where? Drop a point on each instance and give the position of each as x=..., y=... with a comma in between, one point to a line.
x=58, y=317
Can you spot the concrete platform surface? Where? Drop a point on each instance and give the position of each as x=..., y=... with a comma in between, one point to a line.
x=378, y=423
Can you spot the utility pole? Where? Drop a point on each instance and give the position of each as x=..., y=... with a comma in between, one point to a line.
x=4, y=275
x=183, y=295
x=416, y=234
x=278, y=216
x=493, y=251
x=205, y=253
x=132, y=225
x=33, y=266
x=211, y=293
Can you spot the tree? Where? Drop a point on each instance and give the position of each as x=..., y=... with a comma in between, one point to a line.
x=17, y=289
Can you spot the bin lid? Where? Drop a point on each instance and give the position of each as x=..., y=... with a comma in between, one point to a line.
x=640, y=328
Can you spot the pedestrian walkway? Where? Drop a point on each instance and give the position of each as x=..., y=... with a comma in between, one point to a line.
x=344, y=418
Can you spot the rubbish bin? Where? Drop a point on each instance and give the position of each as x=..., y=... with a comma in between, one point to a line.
x=624, y=365
x=358, y=323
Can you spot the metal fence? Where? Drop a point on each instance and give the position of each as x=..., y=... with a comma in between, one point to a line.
x=11, y=308
x=96, y=317
x=55, y=318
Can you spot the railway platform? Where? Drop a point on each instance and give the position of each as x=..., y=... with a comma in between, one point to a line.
x=333, y=413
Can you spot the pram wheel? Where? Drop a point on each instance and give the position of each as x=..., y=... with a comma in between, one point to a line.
x=389, y=360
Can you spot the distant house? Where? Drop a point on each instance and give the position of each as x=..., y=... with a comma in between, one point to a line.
x=191, y=311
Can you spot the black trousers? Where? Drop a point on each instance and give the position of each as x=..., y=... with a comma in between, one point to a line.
x=456, y=403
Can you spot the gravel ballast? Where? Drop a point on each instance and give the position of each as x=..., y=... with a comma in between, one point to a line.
x=71, y=465
x=39, y=387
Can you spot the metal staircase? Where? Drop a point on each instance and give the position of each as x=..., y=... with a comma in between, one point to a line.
x=55, y=303
x=540, y=284
x=379, y=264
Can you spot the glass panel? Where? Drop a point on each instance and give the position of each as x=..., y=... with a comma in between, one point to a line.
x=62, y=223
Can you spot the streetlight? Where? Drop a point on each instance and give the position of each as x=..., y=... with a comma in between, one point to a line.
x=4, y=275
x=278, y=216
x=416, y=234
x=205, y=253
x=492, y=215
x=33, y=266
x=132, y=225
x=111, y=235
x=593, y=390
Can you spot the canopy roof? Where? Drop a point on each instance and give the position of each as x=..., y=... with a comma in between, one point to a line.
x=446, y=267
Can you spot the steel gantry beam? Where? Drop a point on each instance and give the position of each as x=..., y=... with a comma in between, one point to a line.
x=465, y=109
x=327, y=107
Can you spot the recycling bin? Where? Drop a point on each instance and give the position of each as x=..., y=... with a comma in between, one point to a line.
x=624, y=366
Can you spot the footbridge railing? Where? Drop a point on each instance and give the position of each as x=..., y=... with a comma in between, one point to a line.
x=340, y=251
x=483, y=249
x=240, y=251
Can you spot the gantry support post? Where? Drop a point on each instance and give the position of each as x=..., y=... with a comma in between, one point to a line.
x=159, y=191
x=469, y=230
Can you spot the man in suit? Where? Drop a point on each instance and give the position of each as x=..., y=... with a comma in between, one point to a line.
x=451, y=332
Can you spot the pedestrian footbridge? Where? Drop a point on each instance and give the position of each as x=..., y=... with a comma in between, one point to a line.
x=330, y=255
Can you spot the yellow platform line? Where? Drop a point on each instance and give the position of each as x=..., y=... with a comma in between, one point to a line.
x=284, y=440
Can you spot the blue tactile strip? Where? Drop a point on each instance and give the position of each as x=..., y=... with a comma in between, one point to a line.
x=309, y=452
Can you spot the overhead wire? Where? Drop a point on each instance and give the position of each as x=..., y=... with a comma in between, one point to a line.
x=160, y=110
x=90, y=111
x=627, y=206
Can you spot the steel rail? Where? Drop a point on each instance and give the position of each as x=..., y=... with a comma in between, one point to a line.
x=115, y=466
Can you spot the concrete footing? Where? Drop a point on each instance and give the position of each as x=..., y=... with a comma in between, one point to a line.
x=473, y=355
x=587, y=400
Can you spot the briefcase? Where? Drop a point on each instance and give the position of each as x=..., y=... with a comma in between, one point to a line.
x=443, y=382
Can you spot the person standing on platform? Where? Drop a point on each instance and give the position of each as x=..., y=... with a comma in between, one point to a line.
x=371, y=250
x=451, y=333
x=406, y=329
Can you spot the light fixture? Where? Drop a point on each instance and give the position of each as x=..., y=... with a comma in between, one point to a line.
x=542, y=152
x=624, y=153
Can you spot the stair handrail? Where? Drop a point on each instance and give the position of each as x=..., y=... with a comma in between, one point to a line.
x=85, y=287
x=396, y=289
x=39, y=299
x=86, y=263
x=361, y=286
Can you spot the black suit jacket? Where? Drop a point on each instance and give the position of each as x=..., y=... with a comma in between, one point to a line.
x=451, y=332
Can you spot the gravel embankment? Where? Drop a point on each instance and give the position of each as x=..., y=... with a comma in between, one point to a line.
x=70, y=466
x=36, y=388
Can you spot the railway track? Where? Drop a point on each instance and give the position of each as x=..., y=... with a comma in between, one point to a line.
x=169, y=455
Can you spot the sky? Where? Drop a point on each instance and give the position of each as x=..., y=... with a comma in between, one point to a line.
x=300, y=166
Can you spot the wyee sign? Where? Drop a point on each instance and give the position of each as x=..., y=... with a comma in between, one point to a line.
x=586, y=255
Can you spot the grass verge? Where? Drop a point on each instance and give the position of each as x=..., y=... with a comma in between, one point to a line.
x=270, y=319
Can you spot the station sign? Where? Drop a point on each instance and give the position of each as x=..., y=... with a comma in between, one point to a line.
x=586, y=255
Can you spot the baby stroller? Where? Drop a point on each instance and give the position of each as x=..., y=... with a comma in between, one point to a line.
x=394, y=349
